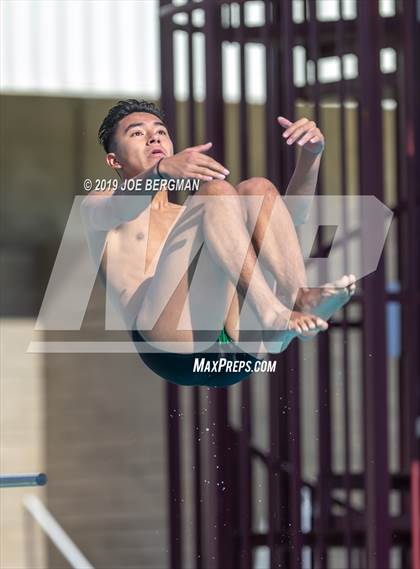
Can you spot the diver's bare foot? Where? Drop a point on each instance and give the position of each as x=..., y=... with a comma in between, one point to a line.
x=324, y=301
x=300, y=325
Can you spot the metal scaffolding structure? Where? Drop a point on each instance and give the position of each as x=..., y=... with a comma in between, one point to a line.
x=364, y=513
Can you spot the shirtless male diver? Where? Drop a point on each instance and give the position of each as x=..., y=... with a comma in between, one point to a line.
x=146, y=248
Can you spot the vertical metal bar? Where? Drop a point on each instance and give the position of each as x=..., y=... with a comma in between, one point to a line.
x=411, y=147
x=195, y=402
x=323, y=373
x=172, y=400
x=277, y=102
x=167, y=74
x=409, y=87
x=404, y=267
x=277, y=479
x=245, y=477
x=400, y=91
x=243, y=123
x=295, y=477
x=198, y=530
x=232, y=499
x=191, y=102
x=323, y=501
x=313, y=42
x=291, y=357
x=415, y=512
x=174, y=476
x=245, y=464
x=342, y=93
x=221, y=491
x=214, y=107
x=374, y=353
x=287, y=91
x=272, y=110
x=219, y=534
x=278, y=495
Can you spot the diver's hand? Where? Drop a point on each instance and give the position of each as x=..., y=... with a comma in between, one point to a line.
x=193, y=163
x=304, y=132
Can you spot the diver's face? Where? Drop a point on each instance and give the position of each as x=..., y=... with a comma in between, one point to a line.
x=140, y=139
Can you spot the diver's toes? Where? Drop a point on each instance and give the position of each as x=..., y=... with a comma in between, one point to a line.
x=321, y=324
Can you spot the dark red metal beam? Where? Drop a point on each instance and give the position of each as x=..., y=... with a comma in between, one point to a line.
x=343, y=94
x=220, y=550
x=245, y=478
x=415, y=512
x=374, y=346
x=197, y=478
x=173, y=450
x=224, y=534
x=409, y=122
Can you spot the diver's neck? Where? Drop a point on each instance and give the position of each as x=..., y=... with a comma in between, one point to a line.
x=160, y=200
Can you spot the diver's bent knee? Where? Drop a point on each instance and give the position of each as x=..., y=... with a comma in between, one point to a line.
x=258, y=185
x=217, y=187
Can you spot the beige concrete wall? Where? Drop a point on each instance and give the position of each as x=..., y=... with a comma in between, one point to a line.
x=22, y=437
x=47, y=147
x=105, y=451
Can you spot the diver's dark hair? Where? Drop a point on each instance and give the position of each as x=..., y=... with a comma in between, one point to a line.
x=118, y=112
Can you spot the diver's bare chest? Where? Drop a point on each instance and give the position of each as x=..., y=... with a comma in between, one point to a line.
x=144, y=236
x=158, y=230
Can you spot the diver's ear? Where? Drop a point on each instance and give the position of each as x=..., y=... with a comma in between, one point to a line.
x=112, y=160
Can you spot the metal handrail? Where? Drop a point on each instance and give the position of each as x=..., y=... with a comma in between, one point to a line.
x=19, y=480
x=55, y=532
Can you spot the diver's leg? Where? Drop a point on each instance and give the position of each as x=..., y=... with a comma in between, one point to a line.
x=274, y=237
x=204, y=224
x=276, y=244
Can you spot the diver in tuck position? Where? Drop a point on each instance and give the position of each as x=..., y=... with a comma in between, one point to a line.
x=148, y=248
